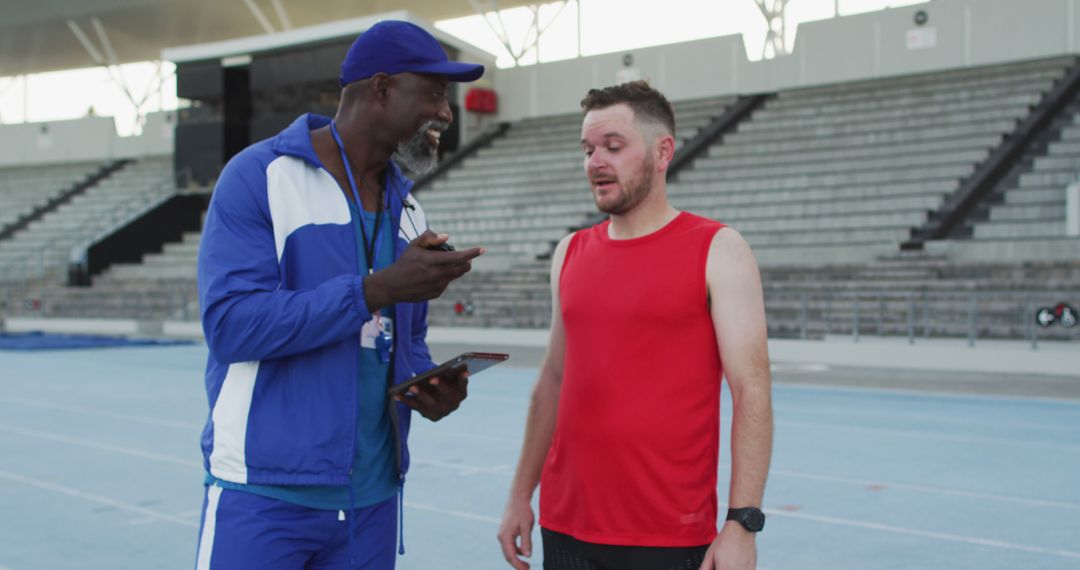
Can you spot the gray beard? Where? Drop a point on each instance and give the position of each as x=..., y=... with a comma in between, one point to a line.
x=417, y=156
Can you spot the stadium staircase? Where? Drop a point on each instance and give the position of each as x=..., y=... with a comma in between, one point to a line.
x=35, y=258
x=161, y=286
x=840, y=174
x=1023, y=214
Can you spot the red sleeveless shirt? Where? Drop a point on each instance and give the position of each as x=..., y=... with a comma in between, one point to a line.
x=634, y=456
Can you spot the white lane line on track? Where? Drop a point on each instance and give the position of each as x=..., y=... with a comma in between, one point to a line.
x=927, y=489
x=925, y=534
x=99, y=446
x=461, y=435
x=818, y=425
x=465, y=515
x=502, y=470
x=71, y=492
x=453, y=513
x=1064, y=402
x=826, y=520
x=465, y=469
x=505, y=471
x=1061, y=424
x=931, y=436
x=43, y=405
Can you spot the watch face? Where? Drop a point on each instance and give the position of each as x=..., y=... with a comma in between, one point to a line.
x=751, y=518
x=754, y=520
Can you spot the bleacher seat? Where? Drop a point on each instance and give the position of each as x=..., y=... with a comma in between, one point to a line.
x=840, y=174
x=43, y=248
x=23, y=189
x=527, y=189
x=1029, y=223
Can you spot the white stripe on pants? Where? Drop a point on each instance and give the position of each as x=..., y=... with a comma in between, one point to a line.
x=206, y=539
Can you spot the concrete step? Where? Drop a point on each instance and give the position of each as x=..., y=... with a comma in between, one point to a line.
x=1020, y=229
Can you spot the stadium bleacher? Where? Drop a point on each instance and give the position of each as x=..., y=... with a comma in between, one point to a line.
x=1029, y=221
x=840, y=174
x=523, y=192
x=43, y=249
x=23, y=189
x=825, y=182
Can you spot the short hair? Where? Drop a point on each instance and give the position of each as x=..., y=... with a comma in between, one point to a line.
x=648, y=104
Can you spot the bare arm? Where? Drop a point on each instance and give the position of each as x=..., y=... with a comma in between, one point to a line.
x=738, y=313
x=518, y=518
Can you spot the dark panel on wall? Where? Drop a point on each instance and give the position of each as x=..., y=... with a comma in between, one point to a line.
x=239, y=105
x=275, y=108
x=237, y=110
x=298, y=66
x=199, y=150
x=200, y=80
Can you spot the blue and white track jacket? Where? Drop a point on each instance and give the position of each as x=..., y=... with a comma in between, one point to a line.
x=282, y=306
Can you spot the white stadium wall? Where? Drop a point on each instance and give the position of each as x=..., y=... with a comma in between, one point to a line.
x=858, y=47
x=862, y=46
x=89, y=139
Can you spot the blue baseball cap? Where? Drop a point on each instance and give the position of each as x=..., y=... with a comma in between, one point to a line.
x=393, y=46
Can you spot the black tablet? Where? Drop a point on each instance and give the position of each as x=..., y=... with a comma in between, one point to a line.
x=472, y=361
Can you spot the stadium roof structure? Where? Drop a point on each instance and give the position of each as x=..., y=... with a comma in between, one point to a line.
x=49, y=35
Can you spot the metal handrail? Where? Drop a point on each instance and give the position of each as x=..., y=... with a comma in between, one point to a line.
x=917, y=309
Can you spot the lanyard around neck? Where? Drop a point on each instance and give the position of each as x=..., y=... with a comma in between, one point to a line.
x=369, y=249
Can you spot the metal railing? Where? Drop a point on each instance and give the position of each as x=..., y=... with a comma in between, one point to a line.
x=173, y=303
x=968, y=315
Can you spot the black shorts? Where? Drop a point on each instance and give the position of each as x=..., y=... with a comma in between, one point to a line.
x=564, y=552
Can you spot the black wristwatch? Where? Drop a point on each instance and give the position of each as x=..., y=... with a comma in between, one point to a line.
x=751, y=518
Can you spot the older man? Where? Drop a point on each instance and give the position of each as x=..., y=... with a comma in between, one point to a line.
x=314, y=287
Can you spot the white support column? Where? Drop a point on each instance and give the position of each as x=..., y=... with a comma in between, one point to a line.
x=776, y=20
x=1072, y=210
x=578, y=4
x=26, y=98
x=11, y=81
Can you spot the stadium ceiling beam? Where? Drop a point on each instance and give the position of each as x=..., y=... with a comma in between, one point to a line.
x=531, y=40
x=111, y=64
x=776, y=20
x=264, y=21
x=260, y=16
x=283, y=16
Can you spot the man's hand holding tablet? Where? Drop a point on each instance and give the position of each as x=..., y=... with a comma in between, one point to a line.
x=441, y=390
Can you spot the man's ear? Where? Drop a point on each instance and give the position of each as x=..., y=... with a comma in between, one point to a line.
x=664, y=147
x=380, y=87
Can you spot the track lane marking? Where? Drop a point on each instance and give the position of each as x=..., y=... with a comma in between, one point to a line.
x=99, y=499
